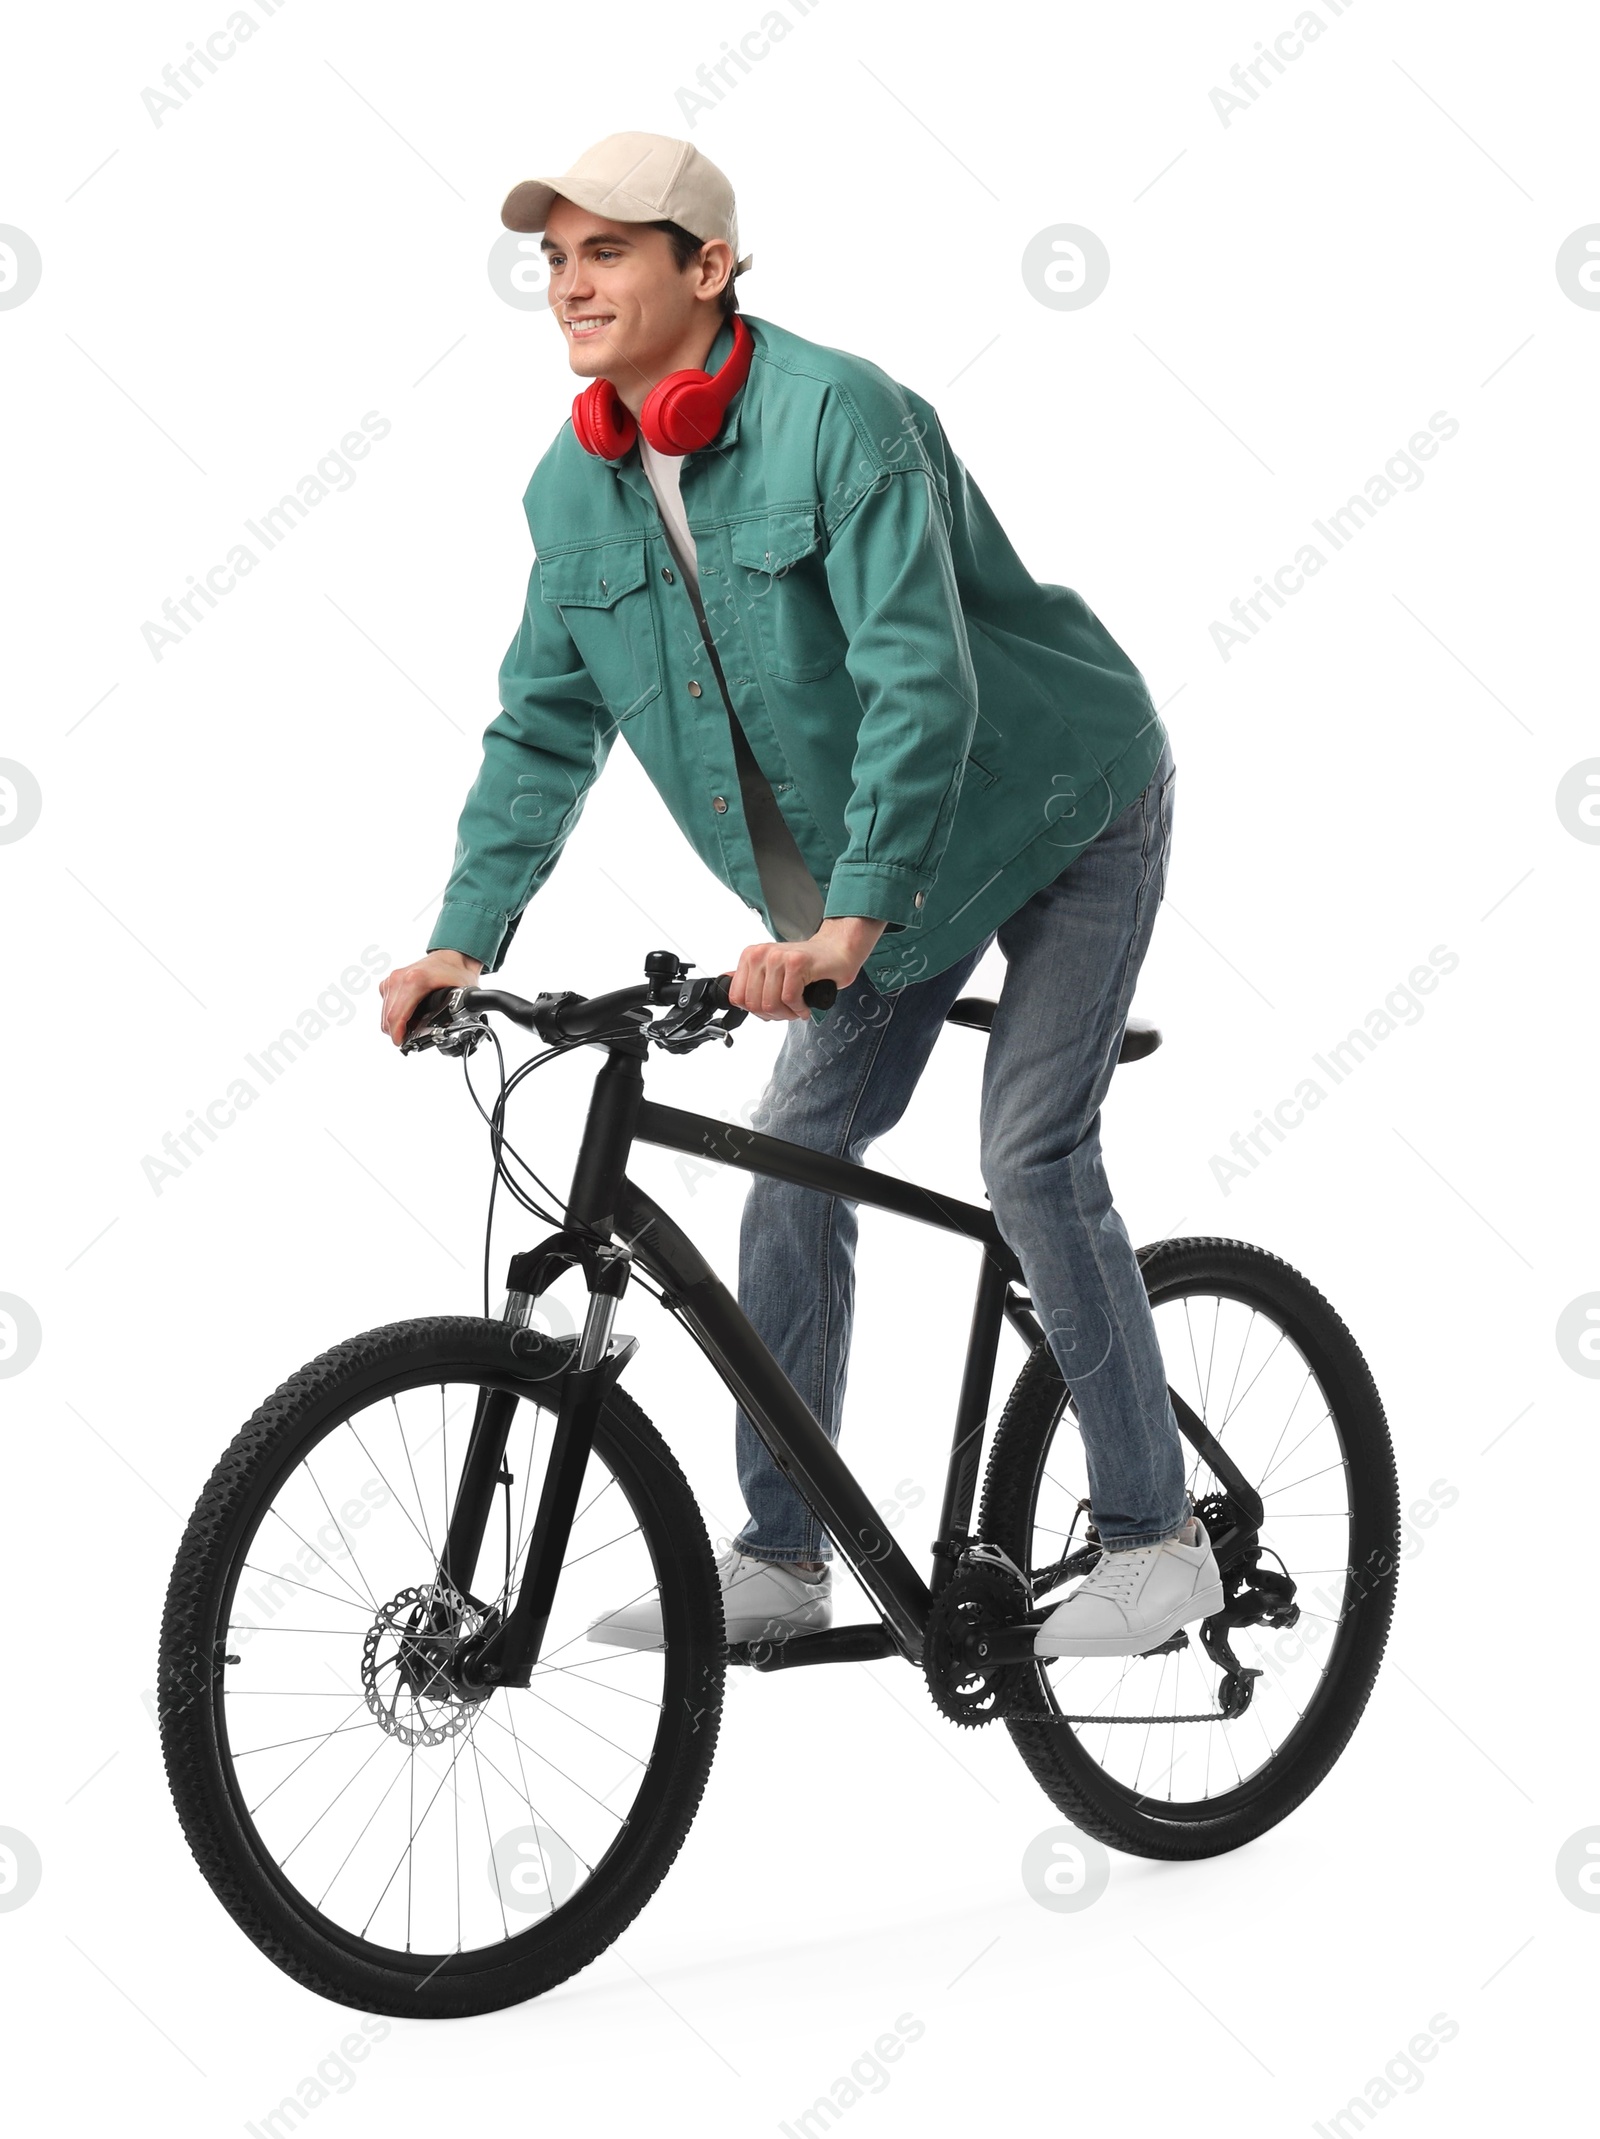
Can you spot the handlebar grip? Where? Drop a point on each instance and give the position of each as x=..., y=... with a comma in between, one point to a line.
x=431, y=1004
x=818, y=994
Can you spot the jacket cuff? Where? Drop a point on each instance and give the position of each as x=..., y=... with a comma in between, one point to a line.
x=472, y=930
x=891, y=895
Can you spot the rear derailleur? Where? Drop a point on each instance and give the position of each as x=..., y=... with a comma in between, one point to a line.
x=1253, y=1595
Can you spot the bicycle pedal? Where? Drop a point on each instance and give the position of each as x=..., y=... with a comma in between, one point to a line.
x=1180, y=1640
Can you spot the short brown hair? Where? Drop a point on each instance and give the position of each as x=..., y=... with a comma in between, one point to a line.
x=686, y=247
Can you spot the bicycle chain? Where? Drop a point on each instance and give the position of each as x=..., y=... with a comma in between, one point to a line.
x=1053, y=1715
x=1210, y=1509
x=984, y=1591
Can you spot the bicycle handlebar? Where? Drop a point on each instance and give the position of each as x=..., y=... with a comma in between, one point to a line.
x=454, y=1020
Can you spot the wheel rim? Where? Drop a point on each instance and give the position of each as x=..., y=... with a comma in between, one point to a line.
x=1230, y=1356
x=409, y=1827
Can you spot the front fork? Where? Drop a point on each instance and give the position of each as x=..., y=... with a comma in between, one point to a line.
x=507, y=1651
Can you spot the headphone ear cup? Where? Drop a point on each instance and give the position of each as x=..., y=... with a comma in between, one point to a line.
x=682, y=412
x=602, y=421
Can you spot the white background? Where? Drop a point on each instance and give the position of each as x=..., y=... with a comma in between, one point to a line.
x=1292, y=295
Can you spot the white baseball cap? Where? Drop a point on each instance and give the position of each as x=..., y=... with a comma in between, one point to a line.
x=639, y=178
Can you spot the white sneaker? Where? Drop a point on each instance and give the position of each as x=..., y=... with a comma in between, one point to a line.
x=761, y=1601
x=1132, y=1601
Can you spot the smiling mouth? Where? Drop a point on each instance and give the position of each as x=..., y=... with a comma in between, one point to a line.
x=583, y=330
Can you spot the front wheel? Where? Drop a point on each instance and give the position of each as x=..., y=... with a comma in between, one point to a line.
x=390, y=1840
x=1276, y=1376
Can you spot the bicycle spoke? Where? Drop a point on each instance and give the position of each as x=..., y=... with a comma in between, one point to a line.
x=488, y=1836
x=411, y=1467
x=349, y=1548
x=1277, y=1462
x=1227, y=1409
x=281, y=1744
x=350, y=1603
x=365, y=1602
x=338, y=1732
x=1254, y=1379
x=1341, y=1465
x=361, y=1835
x=1272, y=1459
x=389, y=1489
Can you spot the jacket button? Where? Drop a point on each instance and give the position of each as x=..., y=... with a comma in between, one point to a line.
x=694, y=690
x=602, y=586
x=719, y=803
x=666, y=573
x=917, y=901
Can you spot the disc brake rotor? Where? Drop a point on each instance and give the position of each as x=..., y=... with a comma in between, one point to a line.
x=408, y=1659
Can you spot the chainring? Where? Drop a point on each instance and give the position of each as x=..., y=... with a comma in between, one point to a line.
x=976, y=1599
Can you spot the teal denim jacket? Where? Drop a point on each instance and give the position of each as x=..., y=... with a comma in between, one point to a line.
x=942, y=731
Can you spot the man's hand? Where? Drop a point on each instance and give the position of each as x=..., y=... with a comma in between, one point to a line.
x=770, y=979
x=405, y=987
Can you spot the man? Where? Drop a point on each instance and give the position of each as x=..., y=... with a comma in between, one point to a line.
x=774, y=577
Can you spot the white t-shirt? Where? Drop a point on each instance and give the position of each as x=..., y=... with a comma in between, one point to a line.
x=791, y=893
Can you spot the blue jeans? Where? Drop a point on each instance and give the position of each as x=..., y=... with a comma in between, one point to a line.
x=1073, y=954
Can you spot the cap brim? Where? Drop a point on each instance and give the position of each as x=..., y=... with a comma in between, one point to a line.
x=527, y=207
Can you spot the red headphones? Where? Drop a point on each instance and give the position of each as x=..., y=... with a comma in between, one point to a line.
x=681, y=412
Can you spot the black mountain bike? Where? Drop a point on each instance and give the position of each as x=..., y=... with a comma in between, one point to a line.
x=418, y=1785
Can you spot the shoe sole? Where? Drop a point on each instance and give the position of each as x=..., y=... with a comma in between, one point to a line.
x=1200, y=1606
x=625, y=1637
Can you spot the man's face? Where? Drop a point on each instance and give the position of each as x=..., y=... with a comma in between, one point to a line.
x=622, y=304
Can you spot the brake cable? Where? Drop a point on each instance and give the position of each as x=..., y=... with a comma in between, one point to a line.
x=500, y=1146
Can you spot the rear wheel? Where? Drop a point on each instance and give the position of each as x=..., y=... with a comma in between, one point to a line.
x=1275, y=1375
x=388, y=1840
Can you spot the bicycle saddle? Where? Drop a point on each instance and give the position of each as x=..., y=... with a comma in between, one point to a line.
x=1139, y=1036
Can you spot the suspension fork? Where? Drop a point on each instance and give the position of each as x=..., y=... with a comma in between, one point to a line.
x=507, y=1656
x=480, y=1473
x=527, y=1277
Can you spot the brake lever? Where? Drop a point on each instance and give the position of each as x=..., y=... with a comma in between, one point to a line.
x=450, y=1028
x=696, y=1018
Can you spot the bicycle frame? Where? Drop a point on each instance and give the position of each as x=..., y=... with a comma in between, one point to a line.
x=605, y=1205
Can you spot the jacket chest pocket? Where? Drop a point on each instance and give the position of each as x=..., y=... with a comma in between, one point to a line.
x=604, y=598
x=781, y=583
